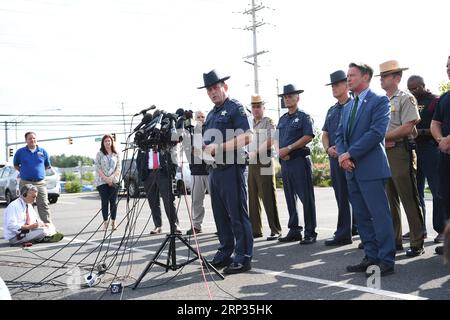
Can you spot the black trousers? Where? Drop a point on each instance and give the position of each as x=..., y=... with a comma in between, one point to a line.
x=444, y=182
x=159, y=183
x=109, y=197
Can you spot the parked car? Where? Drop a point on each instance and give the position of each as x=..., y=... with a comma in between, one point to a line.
x=53, y=186
x=135, y=187
x=9, y=184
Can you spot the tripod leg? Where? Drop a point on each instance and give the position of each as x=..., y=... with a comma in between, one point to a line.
x=203, y=259
x=152, y=262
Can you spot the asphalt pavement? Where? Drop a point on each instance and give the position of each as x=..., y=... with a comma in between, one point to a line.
x=280, y=271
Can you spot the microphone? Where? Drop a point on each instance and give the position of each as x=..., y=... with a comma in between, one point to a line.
x=145, y=120
x=159, y=119
x=144, y=111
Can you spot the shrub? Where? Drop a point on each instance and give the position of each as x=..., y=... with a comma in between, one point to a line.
x=68, y=176
x=321, y=175
x=73, y=187
x=88, y=176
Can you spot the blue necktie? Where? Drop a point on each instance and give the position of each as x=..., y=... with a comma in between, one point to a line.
x=351, y=122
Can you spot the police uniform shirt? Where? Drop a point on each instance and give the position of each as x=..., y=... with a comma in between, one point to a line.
x=263, y=130
x=426, y=105
x=403, y=109
x=332, y=120
x=442, y=113
x=292, y=127
x=227, y=118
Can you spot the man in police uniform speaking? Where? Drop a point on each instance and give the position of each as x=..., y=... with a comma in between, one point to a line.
x=295, y=132
x=227, y=131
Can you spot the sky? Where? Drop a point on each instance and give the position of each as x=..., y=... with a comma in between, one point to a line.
x=87, y=57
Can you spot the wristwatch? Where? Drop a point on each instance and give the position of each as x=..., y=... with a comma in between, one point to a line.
x=289, y=147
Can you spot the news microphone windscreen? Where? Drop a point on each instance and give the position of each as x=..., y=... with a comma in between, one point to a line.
x=180, y=112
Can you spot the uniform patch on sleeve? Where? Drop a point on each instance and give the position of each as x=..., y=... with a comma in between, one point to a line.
x=413, y=100
x=242, y=111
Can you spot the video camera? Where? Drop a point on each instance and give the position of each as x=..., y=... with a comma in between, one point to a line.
x=160, y=130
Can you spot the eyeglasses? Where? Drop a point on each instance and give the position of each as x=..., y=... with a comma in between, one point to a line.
x=256, y=106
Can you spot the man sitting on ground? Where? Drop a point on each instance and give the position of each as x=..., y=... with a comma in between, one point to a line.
x=22, y=225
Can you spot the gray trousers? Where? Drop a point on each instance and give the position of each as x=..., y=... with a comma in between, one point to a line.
x=41, y=200
x=33, y=235
x=199, y=187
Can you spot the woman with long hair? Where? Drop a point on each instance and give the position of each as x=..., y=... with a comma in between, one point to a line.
x=108, y=167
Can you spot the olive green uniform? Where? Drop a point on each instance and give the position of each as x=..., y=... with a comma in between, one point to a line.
x=403, y=164
x=261, y=182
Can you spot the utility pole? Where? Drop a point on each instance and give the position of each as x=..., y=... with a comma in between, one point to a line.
x=124, y=127
x=255, y=24
x=6, y=141
x=278, y=101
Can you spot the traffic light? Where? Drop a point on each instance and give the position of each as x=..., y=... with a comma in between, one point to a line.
x=11, y=152
x=70, y=140
x=114, y=136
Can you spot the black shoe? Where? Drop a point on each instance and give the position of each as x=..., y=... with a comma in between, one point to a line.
x=309, y=239
x=414, y=252
x=190, y=232
x=219, y=264
x=385, y=269
x=338, y=242
x=360, y=245
x=439, y=250
x=406, y=236
x=362, y=266
x=399, y=247
x=273, y=236
x=354, y=231
x=237, y=268
x=439, y=238
x=257, y=235
x=291, y=236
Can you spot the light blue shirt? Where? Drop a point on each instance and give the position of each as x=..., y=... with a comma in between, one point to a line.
x=361, y=98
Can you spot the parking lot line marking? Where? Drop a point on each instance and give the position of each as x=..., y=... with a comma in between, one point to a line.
x=328, y=283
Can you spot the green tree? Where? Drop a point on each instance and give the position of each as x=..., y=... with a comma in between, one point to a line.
x=444, y=87
x=63, y=161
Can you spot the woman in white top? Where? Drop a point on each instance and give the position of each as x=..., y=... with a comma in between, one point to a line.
x=108, y=167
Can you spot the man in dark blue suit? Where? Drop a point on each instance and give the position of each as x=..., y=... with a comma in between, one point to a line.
x=360, y=146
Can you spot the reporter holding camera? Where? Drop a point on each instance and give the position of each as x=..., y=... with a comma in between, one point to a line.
x=157, y=168
x=108, y=167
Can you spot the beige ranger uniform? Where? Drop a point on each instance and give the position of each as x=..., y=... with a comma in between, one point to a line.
x=402, y=160
x=261, y=182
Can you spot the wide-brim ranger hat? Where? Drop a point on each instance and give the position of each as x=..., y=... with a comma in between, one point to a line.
x=290, y=89
x=388, y=67
x=336, y=77
x=211, y=78
x=256, y=99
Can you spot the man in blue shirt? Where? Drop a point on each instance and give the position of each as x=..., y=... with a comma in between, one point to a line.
x=344, y=231
x=32, y=161
x=295, y=132
x=227, y=131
